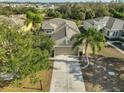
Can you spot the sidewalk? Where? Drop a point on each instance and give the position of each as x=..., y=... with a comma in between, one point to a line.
x=67, y=77
x=110, y=43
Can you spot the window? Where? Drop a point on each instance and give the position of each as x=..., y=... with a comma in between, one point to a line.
x=108, y=33
x=49, y=31
x=122, y=34
x=113, y=33
x=116, y=34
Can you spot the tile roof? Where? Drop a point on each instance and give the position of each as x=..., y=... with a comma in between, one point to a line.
x=12, y=21
x=60, y=27
x=111, y=23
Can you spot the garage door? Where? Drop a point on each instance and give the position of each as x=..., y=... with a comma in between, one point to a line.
x=65, y=51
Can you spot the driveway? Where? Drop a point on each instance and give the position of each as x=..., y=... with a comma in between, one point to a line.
x=67, y=75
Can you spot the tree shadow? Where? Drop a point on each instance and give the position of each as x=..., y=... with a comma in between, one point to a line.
x=4, y=83
x=108, y=82
x=81, y=29
x=75, y=70
x=108, y=46
x=32, y=88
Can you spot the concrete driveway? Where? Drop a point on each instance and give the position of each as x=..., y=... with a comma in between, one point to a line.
x=67, y=76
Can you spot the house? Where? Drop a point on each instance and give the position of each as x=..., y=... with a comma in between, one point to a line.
x=112, y=28
x=13, y=20
x=48, y=6
x=61, y=31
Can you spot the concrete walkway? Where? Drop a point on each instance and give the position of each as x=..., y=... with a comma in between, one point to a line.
x=67, y=76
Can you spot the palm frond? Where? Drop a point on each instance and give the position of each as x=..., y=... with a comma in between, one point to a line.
x=96, y=39
x=77, y=39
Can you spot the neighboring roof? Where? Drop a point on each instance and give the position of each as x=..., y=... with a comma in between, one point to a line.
x=110, y=22
x=12, y=20
x=60, y=27
x=91, y=21
x=17, y=20
x=56, y=21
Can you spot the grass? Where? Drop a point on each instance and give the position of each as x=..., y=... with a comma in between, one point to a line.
x=98, y=79
x=27, y=86
x=109, y=51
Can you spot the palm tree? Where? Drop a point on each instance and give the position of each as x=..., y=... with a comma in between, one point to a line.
x=90, y=37
x=34, y=18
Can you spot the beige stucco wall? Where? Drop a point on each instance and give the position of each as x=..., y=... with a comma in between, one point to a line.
x=121, y=35
x=116, y=36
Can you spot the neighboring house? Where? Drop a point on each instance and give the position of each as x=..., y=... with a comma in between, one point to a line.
x=26, y=28
x=13, y=20
x=48, y=6
x=16, y=21
x=112, y=28
x=61, y=31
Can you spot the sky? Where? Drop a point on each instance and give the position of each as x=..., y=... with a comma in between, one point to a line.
x=52, y=0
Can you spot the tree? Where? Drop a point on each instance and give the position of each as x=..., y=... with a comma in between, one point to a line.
x=77, y=13
x=50, y=13
x=35, y=18
x=117, y=14
x=58, y=14
x=90, y=14
x=68, y=11
x=102, y=11
x=90, y=37
x=8, y=10
x=33, y=10
x=23, y=54
x=53, y=13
